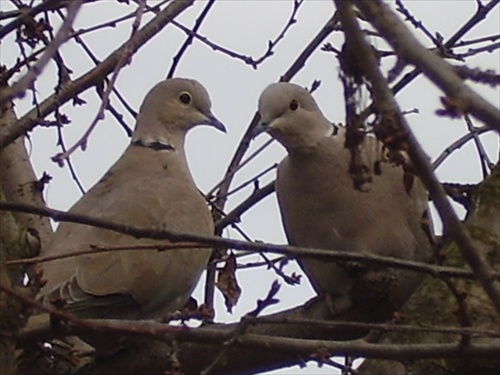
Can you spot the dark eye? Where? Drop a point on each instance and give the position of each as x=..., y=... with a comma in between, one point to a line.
x=294, y=105
x=185, y=98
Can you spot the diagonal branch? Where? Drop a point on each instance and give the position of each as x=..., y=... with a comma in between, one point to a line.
x=189, y=40
x=62, y=35
x=244, y=144
x=94, y=76
x=433, y=66
x=389, y=110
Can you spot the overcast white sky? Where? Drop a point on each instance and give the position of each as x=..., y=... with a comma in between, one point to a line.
x=244, y=26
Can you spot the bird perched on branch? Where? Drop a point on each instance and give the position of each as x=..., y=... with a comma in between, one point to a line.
x=320, y=208
x=150, y=186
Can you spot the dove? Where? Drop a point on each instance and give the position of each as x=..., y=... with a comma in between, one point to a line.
x=320, y=208
x=149, y=186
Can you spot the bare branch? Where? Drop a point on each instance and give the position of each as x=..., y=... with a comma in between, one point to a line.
x=433, y=66
x=389, y=111
x=234, y=216
x=244, y=144
x=27, y=80
x=213, y=335
x=94, y=76
x=481, y=13
x=175, y=236
x=483, y=156
x=416, y=23
x=457, y=144
x=253, y=62
x=32, y=12
x=97, y=249
x=176, y=59
x=126, y=56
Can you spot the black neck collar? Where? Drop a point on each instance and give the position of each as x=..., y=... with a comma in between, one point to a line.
x=157, y=145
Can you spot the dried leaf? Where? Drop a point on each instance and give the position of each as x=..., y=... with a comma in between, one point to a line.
x=227, y=283
x=322, y=355
x=452, y=107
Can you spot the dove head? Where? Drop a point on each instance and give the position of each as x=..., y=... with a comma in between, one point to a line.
x=290, y=114
x=171, y=108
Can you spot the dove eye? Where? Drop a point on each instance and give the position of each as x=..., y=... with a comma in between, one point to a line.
x=185, y=98
x=294, y=105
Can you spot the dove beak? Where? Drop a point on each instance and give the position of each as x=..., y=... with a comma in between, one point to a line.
x=214, y=121
x=261, y=127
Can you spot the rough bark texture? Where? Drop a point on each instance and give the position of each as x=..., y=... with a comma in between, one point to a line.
x=19, y=182
x=434, y=304
x=13, y=245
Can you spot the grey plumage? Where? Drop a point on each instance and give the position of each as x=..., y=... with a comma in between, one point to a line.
x=321, y=209
x=150, y=186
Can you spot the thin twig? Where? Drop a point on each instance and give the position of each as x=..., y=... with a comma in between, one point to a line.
x=44, y=6
x=96, y=62
x=253, y=62
x=481, y=13
x=92, y=77
x=189, y=40
x=235, y=214
x=433, y=66
x=490, y=38
x=27, y=80
x=128, y=51
x=60, y=142
x=97, y=249
x=476, y=51
x=484, y=160
x=252, y=180
x=228, y=174
x=387, y=105
x=457, y=144
x=176, y=236
x=416, y=23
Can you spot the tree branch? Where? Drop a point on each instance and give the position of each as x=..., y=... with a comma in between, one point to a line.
x=391, y=114
x=52, y=49
x=93, y=77
x=175, y=236
x=433, y=66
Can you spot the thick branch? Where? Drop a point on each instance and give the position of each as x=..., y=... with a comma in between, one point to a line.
x=389, y=111
x=433, y=66
x=18, y=181
x=93, y=77
x=422, y=308
x=62, y=35
x=288, y=343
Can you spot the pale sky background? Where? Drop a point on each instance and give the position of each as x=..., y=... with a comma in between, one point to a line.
x=245, y=27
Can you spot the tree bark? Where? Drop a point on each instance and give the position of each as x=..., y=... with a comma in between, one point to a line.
x=434, y=303
x=18, y=181
x=13, y=245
